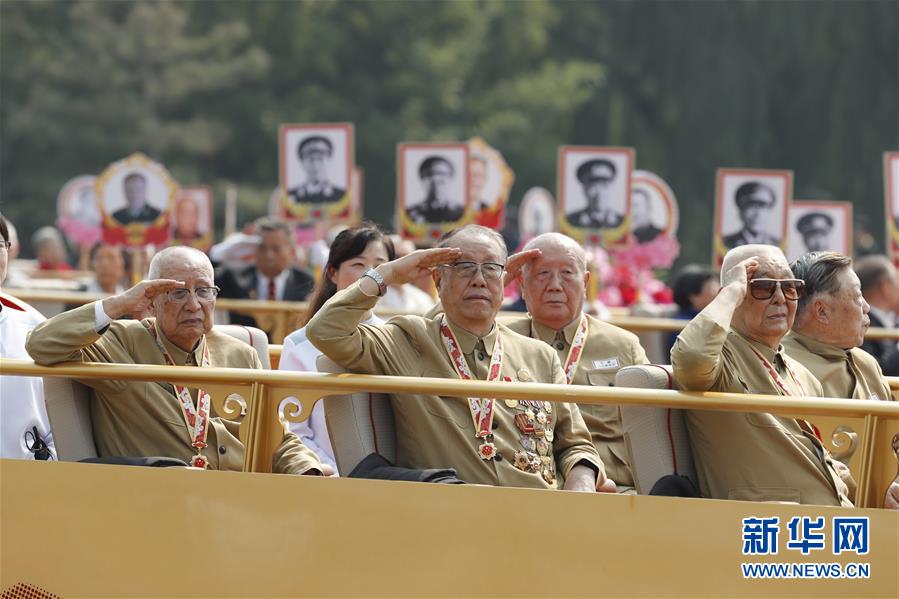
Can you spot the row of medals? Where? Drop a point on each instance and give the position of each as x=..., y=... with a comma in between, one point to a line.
x=534, y=420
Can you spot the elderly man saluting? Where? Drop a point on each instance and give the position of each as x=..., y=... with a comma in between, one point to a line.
x=733, y=345
x=505, y=443
x=142, y=419
x=552, y=272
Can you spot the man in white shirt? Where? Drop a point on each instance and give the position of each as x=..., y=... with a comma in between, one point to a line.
x=24, y=426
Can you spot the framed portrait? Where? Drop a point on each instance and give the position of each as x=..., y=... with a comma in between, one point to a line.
x=491, y=182
x=135, y=197
x=316, y=166
x=654, y=209
x=819, y=226
x=594, y=184
x=192, y=218
x=78, y=212
x=751, y=207
x=536, y=214
x=891, y=196
x=433, y=189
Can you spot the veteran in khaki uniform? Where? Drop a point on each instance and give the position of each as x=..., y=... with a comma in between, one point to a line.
x=142, y=419
x=504, y=443
x=734, y=345
x=552, y=272
x=830, y=325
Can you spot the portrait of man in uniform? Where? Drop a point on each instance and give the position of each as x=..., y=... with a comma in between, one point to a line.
x=192, y=217
x=595, y=190
x=751, y=208
x=316, y=165
x=138, y=208
x=641, y=217
x=819, y=226
x=434, y=184
x=654, y=211
x=315, y=154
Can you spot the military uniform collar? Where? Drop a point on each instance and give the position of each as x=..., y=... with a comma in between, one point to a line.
x=468, y=340
x=825, y=350
x=548, y=335
x=775, y=356
x=179, y=356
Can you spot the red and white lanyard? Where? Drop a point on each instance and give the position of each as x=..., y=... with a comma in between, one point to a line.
x=196, y=419
x=577, y=349
x=481, y=409
x=803, y=424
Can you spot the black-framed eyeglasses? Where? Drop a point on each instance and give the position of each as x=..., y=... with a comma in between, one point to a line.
x=468, y=270
x=36, y=445
x=204, y=294
x=762, y=289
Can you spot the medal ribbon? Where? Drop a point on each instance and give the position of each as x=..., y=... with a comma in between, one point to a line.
x=481, y=409
x=196, y=419
x=804, y=425
x=577, y=349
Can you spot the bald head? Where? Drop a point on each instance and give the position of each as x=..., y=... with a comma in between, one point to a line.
x=770, y=258
x=174, y=259
x=556, y=243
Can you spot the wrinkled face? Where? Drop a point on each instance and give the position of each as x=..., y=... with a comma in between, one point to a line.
x=437, y=179
x=135, y=191
x=767, y=320
x=185, y=322
x=316, y=166
x=848, y=319
x=108, y=265
x=474, y=299
x=274, y=253
x=187, y=216
x=350, y=270
x=554, y=286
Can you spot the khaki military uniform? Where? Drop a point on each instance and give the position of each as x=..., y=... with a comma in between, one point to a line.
x=850, y=374
x=140, y=419
x=606, y=350
x=750, y=456
x=435, y=432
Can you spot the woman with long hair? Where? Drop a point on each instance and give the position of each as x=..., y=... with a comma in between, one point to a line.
x=353, y=251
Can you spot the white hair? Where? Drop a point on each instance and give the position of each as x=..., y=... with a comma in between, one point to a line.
x=742, y=252
x=558, y=240
x=169, y=254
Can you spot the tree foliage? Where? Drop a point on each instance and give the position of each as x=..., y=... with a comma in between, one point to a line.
x=203, y=86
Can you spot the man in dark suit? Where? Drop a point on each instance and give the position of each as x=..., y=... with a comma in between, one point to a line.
x=880, y=288
x=272, y=278
x=436, y=174
x=315, y=155
x=137, y=210
x=595, y=177
x=754, y=201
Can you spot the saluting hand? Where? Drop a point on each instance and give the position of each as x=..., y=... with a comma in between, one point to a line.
x=740, y=274
x=516, y=262
x=138, y=300
x=412, y=266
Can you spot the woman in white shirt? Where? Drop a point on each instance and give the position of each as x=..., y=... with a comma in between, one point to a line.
x=353, y=251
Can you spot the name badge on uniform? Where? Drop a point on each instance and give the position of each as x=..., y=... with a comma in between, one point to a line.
x=606, y=364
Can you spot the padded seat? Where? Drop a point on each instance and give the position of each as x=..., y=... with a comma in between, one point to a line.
x=69, y=407
x=656, y=437
x=359, y=424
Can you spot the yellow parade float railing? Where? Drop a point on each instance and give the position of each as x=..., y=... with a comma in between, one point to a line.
x=72, y=529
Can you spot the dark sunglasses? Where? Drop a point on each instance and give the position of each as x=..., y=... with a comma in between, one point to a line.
x=762, y=289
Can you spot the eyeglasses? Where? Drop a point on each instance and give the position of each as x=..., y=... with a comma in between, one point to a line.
x=467, y=270
x=37, y=446
x=762, y=289
x=5, y=245
x=204, y=294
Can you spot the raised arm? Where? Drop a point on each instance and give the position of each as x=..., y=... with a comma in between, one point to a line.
x=696, y=355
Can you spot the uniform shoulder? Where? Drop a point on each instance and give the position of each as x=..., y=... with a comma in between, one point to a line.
x=863, y=357
x=612, y=332
x=232, y=345
x=527, y=343
x=520, y=324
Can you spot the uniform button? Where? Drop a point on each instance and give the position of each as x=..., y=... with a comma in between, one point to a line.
x=499, y=457
x=481, y=355
x=495, y=425
x=560, y=346
x=222, y=450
